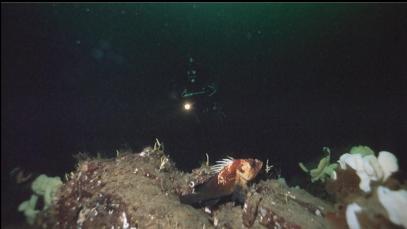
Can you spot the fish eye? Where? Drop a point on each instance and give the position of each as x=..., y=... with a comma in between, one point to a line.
x=243, y=167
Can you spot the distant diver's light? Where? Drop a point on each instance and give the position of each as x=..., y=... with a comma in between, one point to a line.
x=187, y=106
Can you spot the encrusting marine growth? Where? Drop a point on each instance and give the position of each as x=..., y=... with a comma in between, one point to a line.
x=363, y=185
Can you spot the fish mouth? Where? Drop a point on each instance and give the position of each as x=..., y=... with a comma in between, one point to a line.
x=247, y=178
x=244, y=178
x=259, y=164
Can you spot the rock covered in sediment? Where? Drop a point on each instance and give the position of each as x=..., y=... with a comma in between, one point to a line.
x=141, y=190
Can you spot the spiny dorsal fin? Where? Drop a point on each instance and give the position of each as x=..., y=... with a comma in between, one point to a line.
x=219, y=165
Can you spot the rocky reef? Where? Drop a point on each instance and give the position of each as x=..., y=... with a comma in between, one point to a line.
x=141, y=190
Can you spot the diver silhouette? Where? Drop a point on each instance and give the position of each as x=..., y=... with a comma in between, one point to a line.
x=199, y=94
x=194, y=86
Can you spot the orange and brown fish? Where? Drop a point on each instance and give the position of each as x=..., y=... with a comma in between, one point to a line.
x=231, y=177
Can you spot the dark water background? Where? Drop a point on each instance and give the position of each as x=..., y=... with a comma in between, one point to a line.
x=291, y=79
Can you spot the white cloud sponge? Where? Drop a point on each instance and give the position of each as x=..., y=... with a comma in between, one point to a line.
x=351, y=217
x=369, y=168
x=388, y=162
x=395, y=203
